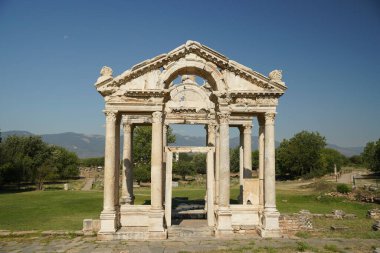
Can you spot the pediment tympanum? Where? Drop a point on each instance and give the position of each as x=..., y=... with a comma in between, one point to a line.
x=230, y=83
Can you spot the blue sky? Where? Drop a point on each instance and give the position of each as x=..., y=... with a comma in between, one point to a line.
x=51, y=53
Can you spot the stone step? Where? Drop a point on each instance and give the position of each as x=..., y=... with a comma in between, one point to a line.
x=193, y=232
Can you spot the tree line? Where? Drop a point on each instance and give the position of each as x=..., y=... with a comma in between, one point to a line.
x=30, y=160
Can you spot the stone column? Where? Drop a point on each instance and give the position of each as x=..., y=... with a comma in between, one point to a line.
x=270, y=226
x=164, y=144
x=224, y=213
x=168, y=192
x=247, y=150
x=127, y=196
x=217, y=156
x=261, y=121
x=224, y=170
x=108, y=217
x=156, y=169
x=117, y=164
x=156, y=216
x=210, y=176
x=241, y=164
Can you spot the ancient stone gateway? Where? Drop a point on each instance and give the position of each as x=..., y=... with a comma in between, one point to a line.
x=231, y=95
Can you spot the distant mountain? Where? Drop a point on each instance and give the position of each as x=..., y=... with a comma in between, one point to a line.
x=350, y=151
x=93, y=145
x=83, y=145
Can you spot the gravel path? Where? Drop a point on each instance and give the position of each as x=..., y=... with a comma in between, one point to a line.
x=243, y=244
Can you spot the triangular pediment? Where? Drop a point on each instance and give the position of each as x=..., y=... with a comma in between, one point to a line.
x=231, y=69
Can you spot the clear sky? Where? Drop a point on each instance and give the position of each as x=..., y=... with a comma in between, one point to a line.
x=51, y=53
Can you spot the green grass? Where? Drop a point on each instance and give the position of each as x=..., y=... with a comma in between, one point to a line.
x=56, y=210
x=48, y=210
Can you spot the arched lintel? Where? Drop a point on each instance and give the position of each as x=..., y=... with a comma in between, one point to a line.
x=193, y=67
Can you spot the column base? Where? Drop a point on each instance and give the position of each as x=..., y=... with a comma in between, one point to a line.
x=270, y=223
x=224, y=224
x=108, y=222
x=156, y=221
x=126, y=200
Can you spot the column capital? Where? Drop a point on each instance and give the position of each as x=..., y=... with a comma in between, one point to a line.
x=157, y=117
x=269, y=118
x=224, y=117
x=211, y=127
x=247, y=128
x=111, y=115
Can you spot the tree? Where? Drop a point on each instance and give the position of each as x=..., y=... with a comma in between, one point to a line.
x=331, y=158
x=235, y=159
x=142, y=146
x=65, y=161
x=92, y=162
x=141, y=173
x=184, y=168
x=371, y=156
x=355, y=160
x=199, y=163
x=301, y=155
x=255, y=160
x=29, y=159
x=21, y=157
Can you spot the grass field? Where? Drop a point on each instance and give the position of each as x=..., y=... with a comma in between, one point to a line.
x=65, y=210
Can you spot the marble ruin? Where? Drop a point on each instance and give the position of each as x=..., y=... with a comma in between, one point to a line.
x=231, y=96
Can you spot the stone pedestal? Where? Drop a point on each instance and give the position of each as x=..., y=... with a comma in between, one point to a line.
x=108, y=221
x=224, y=227
x=270, y=224
x=156, y=225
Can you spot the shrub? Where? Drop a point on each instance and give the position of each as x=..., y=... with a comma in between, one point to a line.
x=142, y=173
x=343, y=188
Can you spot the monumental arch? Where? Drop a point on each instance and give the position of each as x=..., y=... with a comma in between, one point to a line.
x=231, y=96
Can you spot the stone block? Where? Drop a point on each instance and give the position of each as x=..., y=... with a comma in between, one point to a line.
x=376, y=226
x=335, y=227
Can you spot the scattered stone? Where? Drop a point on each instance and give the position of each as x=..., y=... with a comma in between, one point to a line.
x=349, y=216
x=377, y=250
x=21, y=233
x=338, y=214
x=54, y=232
x=376, y=226
x=374, y=213
x=90, y=226
x=5, y=232
x=336, y=227
x=66, y=187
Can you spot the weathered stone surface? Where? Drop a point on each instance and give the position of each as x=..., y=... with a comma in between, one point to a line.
x=231, y=95
x=337, y=227
x=374, y=213
x=376, y=226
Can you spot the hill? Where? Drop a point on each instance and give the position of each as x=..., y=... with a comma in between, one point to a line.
x=85, y=145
